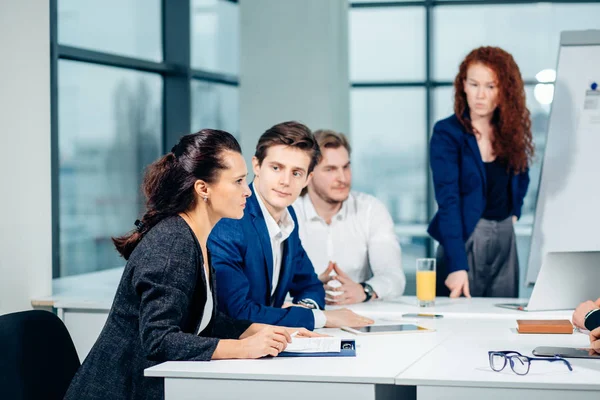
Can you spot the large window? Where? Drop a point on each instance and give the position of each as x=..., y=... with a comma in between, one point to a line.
x=376, y=51
x=128, y=79
x=215, y=105
x=105, y=141
x=390, y=146
x=215, y=36
x=403, y=59
x=124, y=27
x=458, y=29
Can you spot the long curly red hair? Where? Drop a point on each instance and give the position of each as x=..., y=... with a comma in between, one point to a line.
x=513, y=141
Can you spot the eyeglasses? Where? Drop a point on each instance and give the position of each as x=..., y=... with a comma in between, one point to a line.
x=518, y=363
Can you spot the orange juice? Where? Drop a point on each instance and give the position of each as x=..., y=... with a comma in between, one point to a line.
x=426, y=286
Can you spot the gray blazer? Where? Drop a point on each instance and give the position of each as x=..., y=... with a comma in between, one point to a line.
x=154, y=317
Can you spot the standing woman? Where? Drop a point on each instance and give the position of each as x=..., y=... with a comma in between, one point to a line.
x=165, y=307
x=480, y=165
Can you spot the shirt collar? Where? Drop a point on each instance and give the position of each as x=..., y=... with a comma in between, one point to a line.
x=343, y=213
x=311, y=213
x=281, y=230
x=309, y=209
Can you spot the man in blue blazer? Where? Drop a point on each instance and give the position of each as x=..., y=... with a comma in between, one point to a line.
x=260, y=259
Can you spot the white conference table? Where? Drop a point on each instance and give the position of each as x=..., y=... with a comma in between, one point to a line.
x=369, y=375
x=448, y=363
x=455, y=308
x=459, y=368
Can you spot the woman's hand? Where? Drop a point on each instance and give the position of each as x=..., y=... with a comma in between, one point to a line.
x=303, y=333
x=252, y=329
x=458, y=283
x=269, y=341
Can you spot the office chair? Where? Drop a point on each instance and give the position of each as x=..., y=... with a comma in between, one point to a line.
x=38, y=359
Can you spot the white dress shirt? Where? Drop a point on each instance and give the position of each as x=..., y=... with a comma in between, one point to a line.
x=208, y=306
x=279, y=232
x=360, y=239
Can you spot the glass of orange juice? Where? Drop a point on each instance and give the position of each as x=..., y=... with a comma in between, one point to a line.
x=426, y=282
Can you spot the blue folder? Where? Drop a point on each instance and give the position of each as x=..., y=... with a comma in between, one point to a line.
x=348, y=349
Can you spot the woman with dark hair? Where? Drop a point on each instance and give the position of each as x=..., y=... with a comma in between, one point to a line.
x=480, y=165
x=164, y=308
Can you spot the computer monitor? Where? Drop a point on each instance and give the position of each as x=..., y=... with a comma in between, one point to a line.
x=566, y=279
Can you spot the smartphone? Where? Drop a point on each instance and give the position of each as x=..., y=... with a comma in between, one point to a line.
x=432, y=316
x=565, y=352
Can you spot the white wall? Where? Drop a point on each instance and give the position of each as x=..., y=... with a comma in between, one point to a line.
x=25, y=199
x=293, y=66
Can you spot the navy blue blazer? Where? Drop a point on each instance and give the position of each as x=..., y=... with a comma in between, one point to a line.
x=242, y=257
x=459, y=181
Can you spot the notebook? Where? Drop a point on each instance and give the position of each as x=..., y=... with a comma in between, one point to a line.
x=544, y=326
x=320, y=347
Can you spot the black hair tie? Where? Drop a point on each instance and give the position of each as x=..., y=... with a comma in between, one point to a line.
x=139, y=225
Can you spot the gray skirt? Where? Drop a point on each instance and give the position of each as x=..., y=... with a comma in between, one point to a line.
x=493, y=261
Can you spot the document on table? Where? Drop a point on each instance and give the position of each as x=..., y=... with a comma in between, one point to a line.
x=315, y=345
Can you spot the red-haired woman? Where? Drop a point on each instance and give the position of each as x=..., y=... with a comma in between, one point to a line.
x=480, y=164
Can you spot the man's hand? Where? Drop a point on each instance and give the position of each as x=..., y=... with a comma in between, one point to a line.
x=325, y=276
x=350, y=292
x=458, y=283
x=582, y=310
x=595, y=339
x=345, y=317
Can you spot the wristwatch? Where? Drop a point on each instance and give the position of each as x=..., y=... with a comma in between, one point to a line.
x=592, y=319
x=309, y=303
x=368, y=291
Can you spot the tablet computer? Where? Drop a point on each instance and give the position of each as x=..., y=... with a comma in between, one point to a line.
x=380, y=329
x=565, y=352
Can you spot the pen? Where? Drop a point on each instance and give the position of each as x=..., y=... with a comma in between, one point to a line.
x=294, y=334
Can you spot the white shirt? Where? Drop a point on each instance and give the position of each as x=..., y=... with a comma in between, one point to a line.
x=208, y=307
x=360, y=239
x=279, y=232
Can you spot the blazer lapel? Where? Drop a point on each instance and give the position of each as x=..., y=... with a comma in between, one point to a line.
x=260, y=225
x=472, y=143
